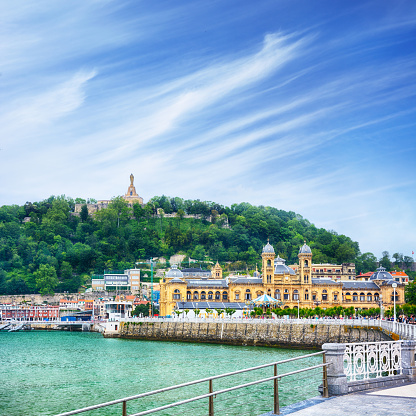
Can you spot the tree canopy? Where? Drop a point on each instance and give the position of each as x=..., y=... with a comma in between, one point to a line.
x=46, y=247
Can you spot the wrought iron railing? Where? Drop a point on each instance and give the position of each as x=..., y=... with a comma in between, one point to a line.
x=367, y=360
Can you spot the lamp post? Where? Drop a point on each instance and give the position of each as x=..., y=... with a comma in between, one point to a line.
x=151, y=283
x=394, y=285
x=298, y=309
x=183, y=304
x=380, y=300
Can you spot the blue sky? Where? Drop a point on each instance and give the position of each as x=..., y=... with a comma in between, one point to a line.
x=307, y=106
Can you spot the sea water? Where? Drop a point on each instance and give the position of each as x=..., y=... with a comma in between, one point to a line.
x=51, y=372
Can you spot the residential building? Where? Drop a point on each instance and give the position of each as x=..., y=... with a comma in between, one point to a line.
x=114, y=281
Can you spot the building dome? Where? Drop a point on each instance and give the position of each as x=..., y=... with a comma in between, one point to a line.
x=381, y=274
x=281, y=268
x=174, y=272
x=305, y=249
x=268, y=248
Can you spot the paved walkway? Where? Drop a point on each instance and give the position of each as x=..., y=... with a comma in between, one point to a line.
x=396, y=401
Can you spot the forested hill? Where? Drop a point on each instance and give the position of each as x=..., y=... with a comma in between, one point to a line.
x=45, y=247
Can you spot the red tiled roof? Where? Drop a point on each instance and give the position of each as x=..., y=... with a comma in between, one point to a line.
x=368, y=274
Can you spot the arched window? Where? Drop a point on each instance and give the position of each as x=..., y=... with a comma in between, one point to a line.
x=210, y=295
x=362, y=297
x=286, y=295
x=376, y=297
x=369, y=297
x=224, y=295
x=277, y=294
x=355, y=297
x=237, y=295
x=177, y=294
x=203, y=295
x=394, y=292
x=188, y=295
x=306, y=263
x=269, y=262
x=306, y=294
x=217, y=295
x=248, y=295
x=296, y=294
x=335, y=296
x=324, y=295
x=259, y=293
x=196, y=296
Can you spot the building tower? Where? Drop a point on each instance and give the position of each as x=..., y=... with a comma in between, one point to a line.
x=216, y=271
x=267, y=268
x=131, y=195
x=305, y=264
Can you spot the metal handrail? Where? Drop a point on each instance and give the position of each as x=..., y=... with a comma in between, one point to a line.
x=204, y=396
x=190, y=383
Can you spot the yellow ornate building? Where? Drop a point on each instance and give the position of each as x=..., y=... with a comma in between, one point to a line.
x=290, y=288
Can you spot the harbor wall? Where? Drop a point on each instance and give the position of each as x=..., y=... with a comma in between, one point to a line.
x=271, y=334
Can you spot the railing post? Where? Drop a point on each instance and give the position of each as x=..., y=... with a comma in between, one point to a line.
x=336, y=378
x=325, y=379
x=276, y=409
x=211, y=400
x=408, y=359
x=124, y=408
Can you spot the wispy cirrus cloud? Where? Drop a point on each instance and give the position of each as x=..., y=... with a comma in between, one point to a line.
x=293, y=108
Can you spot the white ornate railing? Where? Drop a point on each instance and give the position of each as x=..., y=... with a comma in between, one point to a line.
x=367, y=360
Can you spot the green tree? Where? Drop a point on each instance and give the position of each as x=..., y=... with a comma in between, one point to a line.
x=410, y=293
x=46, y=279
x=84, y=213
x=121, y=208
x=142, y=309
x=366, y=262
x=385, y=260
x=219, y=311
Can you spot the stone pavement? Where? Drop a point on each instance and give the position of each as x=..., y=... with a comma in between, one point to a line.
x=396, y=401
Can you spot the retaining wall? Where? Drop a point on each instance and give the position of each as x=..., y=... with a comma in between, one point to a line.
x=261, y=334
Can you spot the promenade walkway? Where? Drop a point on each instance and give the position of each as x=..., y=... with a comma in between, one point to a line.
x=396, y=401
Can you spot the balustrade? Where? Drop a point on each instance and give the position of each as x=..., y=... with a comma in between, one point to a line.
x=367, y=360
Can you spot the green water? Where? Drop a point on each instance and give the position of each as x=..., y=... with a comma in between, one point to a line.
x=46, y=373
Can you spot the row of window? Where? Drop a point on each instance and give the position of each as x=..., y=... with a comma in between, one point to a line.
x=210, y=295
x=201, y=296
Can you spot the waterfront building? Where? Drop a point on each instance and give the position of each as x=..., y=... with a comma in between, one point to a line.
x=118, y=311
x=29, y=312
x=401, y=277
x=114, y=281
x=291, y=288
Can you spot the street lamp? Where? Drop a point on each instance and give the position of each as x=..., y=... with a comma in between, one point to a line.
x=298, y=309
x=183, y=304
x=380, y=299
x=151, y=283
x=394, y=285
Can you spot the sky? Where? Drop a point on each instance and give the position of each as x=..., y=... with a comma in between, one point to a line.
x=306, y=106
